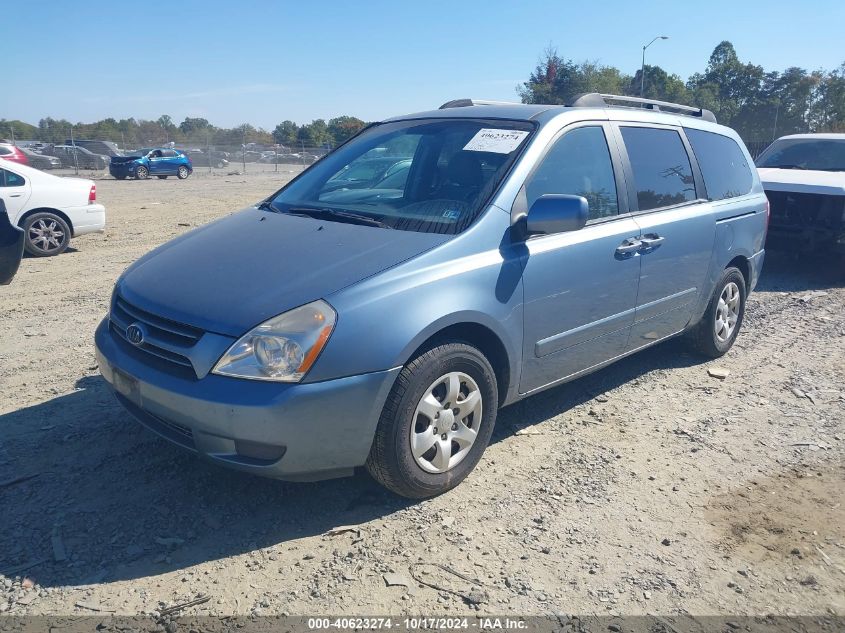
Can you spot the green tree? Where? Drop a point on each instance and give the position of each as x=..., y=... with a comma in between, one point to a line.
x=192, y=126
x=286, y=133
x=315, y=134
x=343, y=127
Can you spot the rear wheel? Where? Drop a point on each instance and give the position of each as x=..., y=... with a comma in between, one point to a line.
x=436, y=422
x=714, y=335
x=182, y=173
x=141, y=172
x=46, y=234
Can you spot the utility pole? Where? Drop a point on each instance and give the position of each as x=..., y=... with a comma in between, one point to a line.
x=642, y=68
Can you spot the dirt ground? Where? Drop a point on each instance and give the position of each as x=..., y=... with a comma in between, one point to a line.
x=648, y=487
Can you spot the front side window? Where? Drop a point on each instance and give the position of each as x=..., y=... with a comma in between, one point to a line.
x=430, y=175
x=9, y=179
x=578, y=164
x=662, y=171
x=724, y=168
x=805, y=153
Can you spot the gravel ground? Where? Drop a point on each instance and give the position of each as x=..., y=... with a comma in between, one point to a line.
x=648, y=487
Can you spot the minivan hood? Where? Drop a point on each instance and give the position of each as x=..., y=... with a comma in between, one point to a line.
x=235, y=273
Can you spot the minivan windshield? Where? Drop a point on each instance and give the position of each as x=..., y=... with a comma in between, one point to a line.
x=425, y=175
x=805, y=153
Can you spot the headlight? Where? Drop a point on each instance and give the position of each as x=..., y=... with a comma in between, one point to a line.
x=281, y=349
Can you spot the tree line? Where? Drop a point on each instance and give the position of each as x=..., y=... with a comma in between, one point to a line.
x=761, y=105
x=133, y=133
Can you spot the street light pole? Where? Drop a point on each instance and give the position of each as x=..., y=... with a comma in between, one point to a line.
x=642, y=69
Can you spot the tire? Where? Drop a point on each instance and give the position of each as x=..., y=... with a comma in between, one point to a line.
x=142, y=173
x=182, y=173
x=162, y=177
x=406, y=414
x=219, y=165
x=45, y=234
x=714, y=338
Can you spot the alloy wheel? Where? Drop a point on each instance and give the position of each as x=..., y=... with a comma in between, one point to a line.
x=46, y=235
x=727, y=312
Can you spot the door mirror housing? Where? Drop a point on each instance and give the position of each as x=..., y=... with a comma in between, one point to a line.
x=557, y=213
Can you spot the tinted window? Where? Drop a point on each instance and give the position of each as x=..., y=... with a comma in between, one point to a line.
x=662, y=172
x=8, y=179
x=578, y=164
x=805, y=153
x=723, y=165
x=168, y=153
x=4, y=151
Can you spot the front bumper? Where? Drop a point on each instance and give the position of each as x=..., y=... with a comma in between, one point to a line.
x=122, y=170
x=305, y=431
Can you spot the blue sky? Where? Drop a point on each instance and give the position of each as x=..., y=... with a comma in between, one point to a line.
x=263, y=62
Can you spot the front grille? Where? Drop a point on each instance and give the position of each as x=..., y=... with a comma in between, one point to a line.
x=164, y=339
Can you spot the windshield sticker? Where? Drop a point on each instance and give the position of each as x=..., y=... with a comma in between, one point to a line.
x=498, y=141
x=452, y=214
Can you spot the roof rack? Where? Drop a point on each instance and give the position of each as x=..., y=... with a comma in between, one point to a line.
x=463, y=103
x=597, y=100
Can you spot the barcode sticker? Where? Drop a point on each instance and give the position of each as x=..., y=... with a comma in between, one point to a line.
x=493, y=140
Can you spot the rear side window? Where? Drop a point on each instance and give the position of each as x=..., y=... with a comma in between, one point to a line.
x=8, y=179
x=578, y=164
x=662, y=171
x=723, y=165
x=5, y=151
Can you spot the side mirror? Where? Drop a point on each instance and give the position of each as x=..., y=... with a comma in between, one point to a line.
x=557, y=213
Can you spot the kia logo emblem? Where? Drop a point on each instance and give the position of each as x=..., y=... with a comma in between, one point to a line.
x=135, y=334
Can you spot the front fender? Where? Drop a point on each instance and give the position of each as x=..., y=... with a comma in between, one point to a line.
x=384, y=319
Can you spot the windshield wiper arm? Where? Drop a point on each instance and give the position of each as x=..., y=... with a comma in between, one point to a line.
x=332, y=214
x=788, y=167
x=267, y=205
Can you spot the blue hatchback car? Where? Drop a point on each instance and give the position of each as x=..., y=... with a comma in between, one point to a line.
x=522, y=247
x=143, y=163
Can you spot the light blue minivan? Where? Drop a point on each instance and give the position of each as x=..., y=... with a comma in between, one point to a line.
x=382, y=319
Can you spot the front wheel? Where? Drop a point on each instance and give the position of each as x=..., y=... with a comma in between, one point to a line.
x=141, y=172
x=714, y=335
x=436, y=422
x=182, y=173
x=46, y=234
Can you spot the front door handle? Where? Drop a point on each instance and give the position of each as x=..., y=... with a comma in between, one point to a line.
x=652, y=240
x=630, y=245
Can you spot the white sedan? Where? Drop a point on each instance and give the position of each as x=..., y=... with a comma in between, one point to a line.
x=48, y=208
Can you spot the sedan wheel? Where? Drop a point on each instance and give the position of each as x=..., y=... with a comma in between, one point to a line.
x=46, y=235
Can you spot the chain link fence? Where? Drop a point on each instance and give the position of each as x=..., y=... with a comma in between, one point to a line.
x=92, y=155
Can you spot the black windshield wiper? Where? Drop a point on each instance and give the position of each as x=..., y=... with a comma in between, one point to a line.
x=334, y=215
x=788, y=167
x=267, y=205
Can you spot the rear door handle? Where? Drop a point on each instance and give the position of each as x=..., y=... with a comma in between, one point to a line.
x=630, y=245
x=652, y=240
